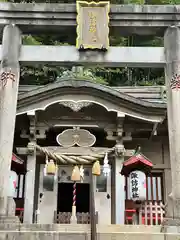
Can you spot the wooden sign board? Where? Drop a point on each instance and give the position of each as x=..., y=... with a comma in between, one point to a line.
x=92, y=25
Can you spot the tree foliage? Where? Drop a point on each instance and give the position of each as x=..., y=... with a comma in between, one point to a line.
x=42, y=74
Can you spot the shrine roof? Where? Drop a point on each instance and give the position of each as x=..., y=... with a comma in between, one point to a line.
x=112, y=98
x=137, y=162
x=156, y=94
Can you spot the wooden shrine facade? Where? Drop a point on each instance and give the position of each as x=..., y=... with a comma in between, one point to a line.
x=47, y=115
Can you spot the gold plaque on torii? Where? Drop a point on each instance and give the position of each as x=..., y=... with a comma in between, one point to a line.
x=92, y=25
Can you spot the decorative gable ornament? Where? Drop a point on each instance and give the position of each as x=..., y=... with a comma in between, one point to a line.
x=75, y=106
x=76, y=137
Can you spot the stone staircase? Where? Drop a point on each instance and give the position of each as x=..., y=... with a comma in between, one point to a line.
x=82, y=232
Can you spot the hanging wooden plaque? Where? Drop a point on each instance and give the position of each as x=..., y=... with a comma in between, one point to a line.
x=92, y=25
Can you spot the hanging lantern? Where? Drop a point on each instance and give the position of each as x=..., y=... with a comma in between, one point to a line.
x=75, y=174
x=51, y=168
x=106, y=167
x=137, y=186
x=96, y=169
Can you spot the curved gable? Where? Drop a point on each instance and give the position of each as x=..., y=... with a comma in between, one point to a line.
x=80, y=90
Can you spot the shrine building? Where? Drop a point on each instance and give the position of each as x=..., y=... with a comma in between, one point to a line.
x=77, y=122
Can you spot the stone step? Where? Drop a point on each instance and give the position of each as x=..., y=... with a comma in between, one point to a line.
x=46, y=235
x=82, y=228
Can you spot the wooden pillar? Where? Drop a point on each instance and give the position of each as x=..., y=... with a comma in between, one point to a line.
x=172, y=75
x=118, y=197
x=92, y=208
x=31, y=169
x=113, y=193
x=119, y=187
x=9, y=82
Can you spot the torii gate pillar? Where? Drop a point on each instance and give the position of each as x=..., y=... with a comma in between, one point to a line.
x=9, y=82
x=172, y=75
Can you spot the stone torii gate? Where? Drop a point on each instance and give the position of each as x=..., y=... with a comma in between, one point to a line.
x=129, y=18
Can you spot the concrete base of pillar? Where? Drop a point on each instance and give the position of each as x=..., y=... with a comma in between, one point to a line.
x=170, y=225
x=3, y=204
x=8, y=217
x=11, y=207
x=9, y=220
x=171, y=222
x=7, y=206
x=172, y=208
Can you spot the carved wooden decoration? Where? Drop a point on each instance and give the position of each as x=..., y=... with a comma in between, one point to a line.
x=75, y=106
x=79, y=137
x=92, y=25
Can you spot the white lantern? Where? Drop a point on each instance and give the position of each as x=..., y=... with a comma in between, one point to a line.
x=137, y=186
x=13, y=180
